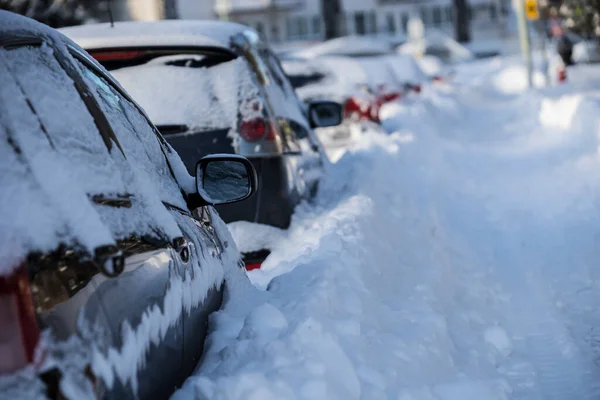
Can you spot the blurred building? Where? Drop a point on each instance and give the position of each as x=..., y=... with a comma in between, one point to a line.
x=281, y=21
x=301, y=20
x=152, y=10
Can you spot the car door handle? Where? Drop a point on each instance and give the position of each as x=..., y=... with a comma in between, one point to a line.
x=182, y=247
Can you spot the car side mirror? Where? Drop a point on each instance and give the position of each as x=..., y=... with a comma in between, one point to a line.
x=323, y=114
x=225, y=178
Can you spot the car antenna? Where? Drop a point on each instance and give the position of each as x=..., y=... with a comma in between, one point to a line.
x=110, y=14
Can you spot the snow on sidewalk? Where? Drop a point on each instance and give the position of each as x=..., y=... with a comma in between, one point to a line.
x=453, y=259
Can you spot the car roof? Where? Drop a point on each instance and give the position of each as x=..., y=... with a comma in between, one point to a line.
x=14, y=26
x=155, y=33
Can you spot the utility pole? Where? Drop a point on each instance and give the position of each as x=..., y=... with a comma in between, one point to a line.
x=332, y=12
x=524, y=39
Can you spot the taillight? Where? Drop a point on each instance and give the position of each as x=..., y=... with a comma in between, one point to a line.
x=417, y=88
x=562, y=74
x=391, y=96
x=437, y=79
x=252, y=266
x=116, y=55
x=254, y=129
x=352, y=109
x=19, y=332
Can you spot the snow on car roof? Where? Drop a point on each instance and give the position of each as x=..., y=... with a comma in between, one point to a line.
x=347, y=46
x=53, y=163
x=155, y=33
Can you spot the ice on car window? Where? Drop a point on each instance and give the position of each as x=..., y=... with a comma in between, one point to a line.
x=199, y=98
x=137, y=137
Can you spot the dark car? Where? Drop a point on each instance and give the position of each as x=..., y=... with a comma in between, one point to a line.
x=111, y=257
x=216, y=87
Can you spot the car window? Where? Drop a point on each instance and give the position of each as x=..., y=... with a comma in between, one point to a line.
x=91, y=193
x=441, y=52
x=183, y=92
x=301, y=80
x=73, y=133
x=139, y=140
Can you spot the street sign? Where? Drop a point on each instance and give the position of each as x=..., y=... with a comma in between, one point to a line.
x=531, y=10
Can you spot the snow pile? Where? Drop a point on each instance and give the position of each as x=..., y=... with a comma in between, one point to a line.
x=347, y=46
x=449, y=260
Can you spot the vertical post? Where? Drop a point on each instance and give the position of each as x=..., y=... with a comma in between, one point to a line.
x=222, y=8
x=524, y=39
x=545, y=55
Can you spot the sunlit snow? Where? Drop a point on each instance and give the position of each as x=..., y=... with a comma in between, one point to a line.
x=454, y=258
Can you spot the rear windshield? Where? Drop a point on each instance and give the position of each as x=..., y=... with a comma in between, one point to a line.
x=301, y=80
x=183, y=91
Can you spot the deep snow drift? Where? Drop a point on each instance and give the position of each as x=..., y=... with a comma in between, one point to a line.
x=456, y=258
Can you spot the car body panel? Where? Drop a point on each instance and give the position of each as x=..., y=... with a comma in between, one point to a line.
x=289, y=166
x=139, y=332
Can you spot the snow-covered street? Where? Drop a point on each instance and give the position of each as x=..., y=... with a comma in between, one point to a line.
x=455, y=258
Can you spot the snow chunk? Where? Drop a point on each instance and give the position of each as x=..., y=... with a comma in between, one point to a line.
x=497, y=337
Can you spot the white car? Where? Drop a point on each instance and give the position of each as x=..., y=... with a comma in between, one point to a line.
x=440, y=45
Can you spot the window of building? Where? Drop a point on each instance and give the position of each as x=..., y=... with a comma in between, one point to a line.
x=436, y=15
x=360, y=25
x=373, y=22
x=404, y=18
x=316, y=25
x=391, y=23
x=298, y=28
x=424, y=14
x=260, y=28
x=289, y=28
x=449, y=14
x=493, y=12
x=302, y=27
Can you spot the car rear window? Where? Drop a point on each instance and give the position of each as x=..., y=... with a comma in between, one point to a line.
x=301, y=80
x=190, y=92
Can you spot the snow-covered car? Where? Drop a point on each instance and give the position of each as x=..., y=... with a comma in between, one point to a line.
x=361, y=84
x=322, y=78
x=586, y=51
x=112, y=257
x=216, y=87
x=438, y=44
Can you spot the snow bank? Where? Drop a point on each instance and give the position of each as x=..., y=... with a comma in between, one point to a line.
x=453, y=259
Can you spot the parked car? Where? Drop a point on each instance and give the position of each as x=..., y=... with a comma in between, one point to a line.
x=112, y=257
x=216, y=87
x=362, y=84
x=438, y=44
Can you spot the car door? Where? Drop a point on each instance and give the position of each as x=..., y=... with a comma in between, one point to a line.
x=293, y=121
x=42, y=141
x=144, y=302
x=192, y=263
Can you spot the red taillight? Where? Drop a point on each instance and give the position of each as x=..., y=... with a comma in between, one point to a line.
x=255, y=129
x=252, y=266
x=437, y=79
x=417, y=88
x=116, y=55
x=562, y=74
x=19, y=332
x=391, y=96
x=353, y=109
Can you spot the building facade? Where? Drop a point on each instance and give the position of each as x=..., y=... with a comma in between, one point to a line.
x=301, y=20
x=282, y=21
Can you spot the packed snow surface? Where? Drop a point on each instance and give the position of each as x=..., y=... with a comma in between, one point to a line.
x=455, y=258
